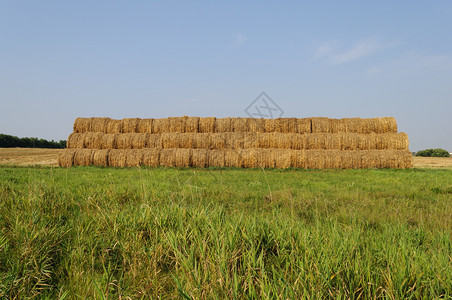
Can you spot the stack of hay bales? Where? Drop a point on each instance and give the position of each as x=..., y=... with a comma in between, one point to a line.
x=310, y=143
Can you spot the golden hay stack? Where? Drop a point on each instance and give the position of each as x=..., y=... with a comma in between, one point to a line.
x=130, y=125
x=176, y=124
x=81, y=125
x=151, y=157
x=84, y=157
x=144, y=126
x=66, y=158
x=100, y=157
x=207, y=125
x=192, y=125
x=117, y=157
x=223, y=125
x=160, y=125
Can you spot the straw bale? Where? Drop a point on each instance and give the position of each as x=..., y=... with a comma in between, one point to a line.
x=232, y=158
x=117, y=157
x=201, y=140
x=238, y=125
x=185, y=140
x=303, y=125
x=81, y=125
x=282, y=157
x=249, y=158
x=177, y=124
x=130, y=125
x=216, y=158
x=287, y=125
x=84, y=157
x=168, y=157
x=66, y=158
x=199, y=158
x=255, y=125
x=183, y=157
x=298, y=159
x=76, y=140
x=151, y=157
x=170, y=140
x=134, y=158
x=250, y=140
x=113, y=126
x=280, y=140
x=271, y=125
x=298, y=141
x=320, y=125
x=124, y=141
x=144, y=126
x=218, y=140
x=263, y=140
x=100, y=157
x=160, y=125
x=154, y=141
x=207, y=125
x=92, y=140
x=108, y=141
x=139, y=140
x=223, y=125
x=98, y=124
x=192, y=125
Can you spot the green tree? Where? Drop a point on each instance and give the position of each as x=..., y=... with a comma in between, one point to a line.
x=438, y=152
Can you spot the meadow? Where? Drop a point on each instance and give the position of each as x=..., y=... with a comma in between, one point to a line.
x=140, y=233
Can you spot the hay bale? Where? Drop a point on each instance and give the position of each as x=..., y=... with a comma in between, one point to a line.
x=154, y=141
x=271, y=125
x=238, y=125
x=160, y=126
x=320, y=125
x=199, y=158
x=249, y=158
x=223, y=125
x=134, y=158
x=288, y=125
x=100, y=157
x=151, y=157
x=113, y=126
x=282, y=158
x=232, y=158
x=108, y=141
x=186, y=140
x=117, y=158
x=98, y=124
x=168, y=157
x=124, y=141
x=218, y=140
x=298, y=159
x=66, y=158
x=92, y=140
x=201, y=141
x=183, y=157
x=81, y=125
x=177, y=124
x=130, y=125
x=215, y=158
x=76, y=140
x=144, y=126
x=170, y=140
x=207, y=125
x=139, y=140
x=303, y=125
x=84, y=157
x=250, y=140
x=255, y=125
x=192, y=125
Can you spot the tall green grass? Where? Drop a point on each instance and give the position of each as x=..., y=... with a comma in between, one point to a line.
x=225, y=233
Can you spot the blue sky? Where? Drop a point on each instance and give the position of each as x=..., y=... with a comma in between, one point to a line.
x=149, y=59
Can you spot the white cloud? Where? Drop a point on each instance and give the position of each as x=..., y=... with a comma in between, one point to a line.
x=239, y=40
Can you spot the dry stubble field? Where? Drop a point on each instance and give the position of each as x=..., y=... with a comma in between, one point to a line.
x=49, y=157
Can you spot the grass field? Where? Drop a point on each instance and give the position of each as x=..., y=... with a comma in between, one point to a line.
x=225, y=233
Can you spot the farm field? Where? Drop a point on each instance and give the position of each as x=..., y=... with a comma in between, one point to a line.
x=87, y=232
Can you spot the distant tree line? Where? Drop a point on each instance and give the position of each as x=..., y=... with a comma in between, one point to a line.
x=9, y=141
x=433, y=153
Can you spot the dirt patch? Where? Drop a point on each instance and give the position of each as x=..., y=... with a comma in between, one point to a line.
x=29, y=156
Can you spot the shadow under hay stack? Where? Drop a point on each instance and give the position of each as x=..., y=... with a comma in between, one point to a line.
x=308, y=143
